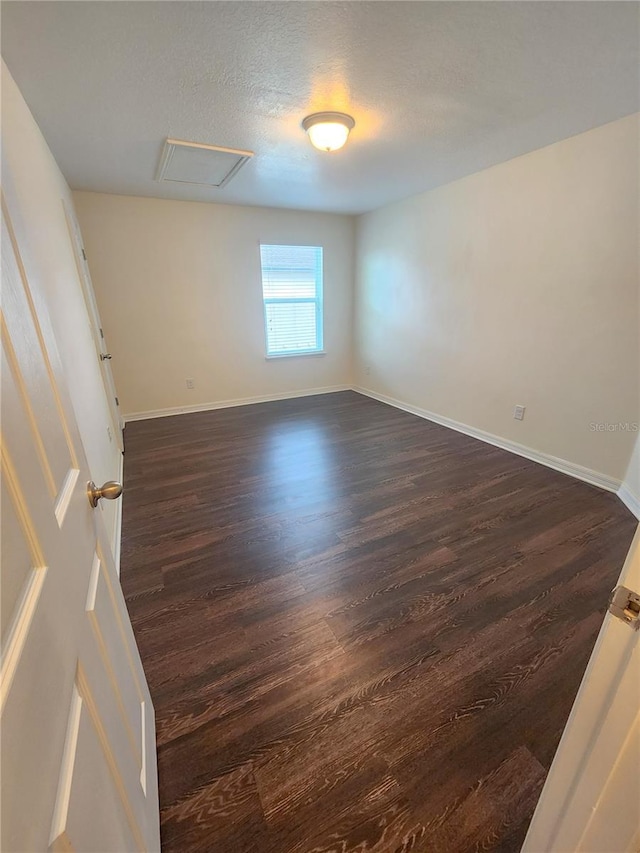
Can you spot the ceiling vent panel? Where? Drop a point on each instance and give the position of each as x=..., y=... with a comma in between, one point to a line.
x=197, y=163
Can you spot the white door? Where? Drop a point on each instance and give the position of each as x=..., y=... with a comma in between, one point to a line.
x=102, y=353
x=77, y=727
x=591, y=800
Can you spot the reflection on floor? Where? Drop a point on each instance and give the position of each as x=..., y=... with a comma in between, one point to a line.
x=362, y=631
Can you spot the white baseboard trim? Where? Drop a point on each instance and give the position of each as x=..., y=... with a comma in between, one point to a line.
x=595, y=478
x=630, y=500
x=579, y=472
x=229, y=404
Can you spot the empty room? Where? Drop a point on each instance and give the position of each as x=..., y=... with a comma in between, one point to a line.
x=320, y=414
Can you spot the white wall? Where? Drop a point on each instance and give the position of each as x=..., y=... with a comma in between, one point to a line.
x=516, y=285
x=38, y=190
x=180, y=295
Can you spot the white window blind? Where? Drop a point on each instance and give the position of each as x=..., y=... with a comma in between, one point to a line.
x=292, y=294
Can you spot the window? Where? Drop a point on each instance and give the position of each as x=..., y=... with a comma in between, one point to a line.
x=292, y=294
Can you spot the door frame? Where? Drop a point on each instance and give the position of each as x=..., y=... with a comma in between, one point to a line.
x=97, y=332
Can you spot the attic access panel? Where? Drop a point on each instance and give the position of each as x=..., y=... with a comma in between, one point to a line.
x=197, y=163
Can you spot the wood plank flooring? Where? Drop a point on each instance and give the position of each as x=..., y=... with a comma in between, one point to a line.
x=362, y=631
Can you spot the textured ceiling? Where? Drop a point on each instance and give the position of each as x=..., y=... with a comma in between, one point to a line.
x=438, y=89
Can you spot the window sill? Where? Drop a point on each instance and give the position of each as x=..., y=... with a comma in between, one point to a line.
x=294, y=355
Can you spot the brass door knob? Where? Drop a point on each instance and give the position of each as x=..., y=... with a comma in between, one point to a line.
x=110, y=490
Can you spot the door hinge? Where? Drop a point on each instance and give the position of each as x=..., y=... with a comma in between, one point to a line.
x=84, y=254
x=625, y=604
x=101, y=334
x=117, y=401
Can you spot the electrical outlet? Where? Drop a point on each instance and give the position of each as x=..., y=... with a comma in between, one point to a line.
x=518, y=413
x=367, y=370
x=190, y=384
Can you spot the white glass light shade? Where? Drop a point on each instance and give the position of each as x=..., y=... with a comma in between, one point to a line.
x=328, y=131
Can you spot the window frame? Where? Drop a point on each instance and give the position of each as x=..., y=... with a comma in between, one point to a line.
x=318, y=301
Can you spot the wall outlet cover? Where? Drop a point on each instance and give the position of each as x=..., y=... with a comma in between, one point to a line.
x=518, y=412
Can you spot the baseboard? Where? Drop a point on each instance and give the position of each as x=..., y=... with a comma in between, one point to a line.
x=579, y=472
x=229, y=404
x=630, y=500
x=587, y=475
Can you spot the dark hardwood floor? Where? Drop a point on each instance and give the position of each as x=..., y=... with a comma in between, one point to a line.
x=362, y=631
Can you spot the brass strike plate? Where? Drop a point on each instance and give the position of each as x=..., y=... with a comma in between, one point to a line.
x=625, y=604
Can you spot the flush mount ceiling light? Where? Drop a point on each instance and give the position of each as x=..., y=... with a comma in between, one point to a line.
x=328, y=131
